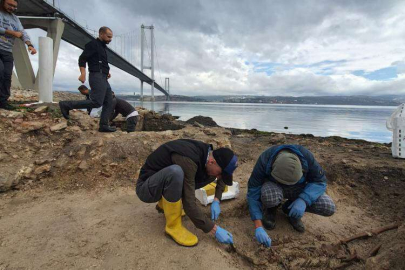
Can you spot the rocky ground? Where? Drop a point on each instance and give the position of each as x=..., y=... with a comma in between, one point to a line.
x=68, y=199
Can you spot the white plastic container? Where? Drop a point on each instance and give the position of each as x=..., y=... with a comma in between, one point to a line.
x=201, y=194
x=396, y=123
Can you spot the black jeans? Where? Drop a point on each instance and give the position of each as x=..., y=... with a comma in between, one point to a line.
x=100, y=95
x=6, y=71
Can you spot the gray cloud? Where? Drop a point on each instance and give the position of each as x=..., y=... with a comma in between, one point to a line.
x=210, y=47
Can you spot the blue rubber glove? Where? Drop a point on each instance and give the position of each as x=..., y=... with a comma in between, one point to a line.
x=297, y=208
x=215, y=210
x=223, y=236
x=262, y=237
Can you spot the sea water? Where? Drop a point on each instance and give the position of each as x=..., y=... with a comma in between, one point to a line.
x=355, y=122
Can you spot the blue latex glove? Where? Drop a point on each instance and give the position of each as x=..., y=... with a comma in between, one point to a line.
x=215, y=210
x=297, y=208
x=262, y=237
x=223, y=236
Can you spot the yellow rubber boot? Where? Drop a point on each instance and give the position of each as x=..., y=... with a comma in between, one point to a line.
x=159, y=208
x=180, y=235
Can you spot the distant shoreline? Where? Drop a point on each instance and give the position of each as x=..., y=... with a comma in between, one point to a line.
x=389, y=100
x=335, y=100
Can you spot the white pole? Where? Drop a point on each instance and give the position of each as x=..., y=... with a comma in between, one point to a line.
x=152, y=42
x=45, y=69
x=142, y=48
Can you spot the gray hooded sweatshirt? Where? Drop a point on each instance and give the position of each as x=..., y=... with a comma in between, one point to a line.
x=10, y=22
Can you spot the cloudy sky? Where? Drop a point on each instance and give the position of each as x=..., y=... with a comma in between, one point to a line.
x=283, y=47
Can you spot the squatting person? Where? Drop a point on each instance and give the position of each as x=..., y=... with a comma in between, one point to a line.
x=95, y=55
x=10, y=29
x=119, y=106
x=291, y=172
x=170, y=176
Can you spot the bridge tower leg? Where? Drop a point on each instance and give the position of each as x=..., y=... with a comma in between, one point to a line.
x=167, y=88
x=23, y=66
x=152, y=61
x=142, y=55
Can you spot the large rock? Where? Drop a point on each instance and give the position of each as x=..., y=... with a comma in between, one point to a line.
x=202, y=120
x=83, y=120
x=26, y=127
x=42, y=169
x=156, y=122
x=60, y=126
x=5, y=184
x=11, y=114
x=41, y=109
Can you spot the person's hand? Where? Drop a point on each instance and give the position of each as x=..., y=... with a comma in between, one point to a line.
x=297, y=208
x=109, y=75
x=32, y=50
x=17, y=34
x=215, y=210
x=262, y=237
x=82, y=77
x=223, y=236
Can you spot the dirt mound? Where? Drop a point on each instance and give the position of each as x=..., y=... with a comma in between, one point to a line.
x=72, y=192
x=202, y=120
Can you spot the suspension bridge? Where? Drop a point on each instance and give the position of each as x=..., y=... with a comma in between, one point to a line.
x=59, y=26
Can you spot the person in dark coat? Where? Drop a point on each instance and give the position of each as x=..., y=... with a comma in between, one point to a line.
x=170, y=176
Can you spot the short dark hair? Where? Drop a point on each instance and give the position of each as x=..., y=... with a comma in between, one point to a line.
x=3, y=1
x=82, y=87
x=103, y=29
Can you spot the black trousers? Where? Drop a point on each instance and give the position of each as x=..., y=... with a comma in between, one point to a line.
x=100, y=95
x=6, y=71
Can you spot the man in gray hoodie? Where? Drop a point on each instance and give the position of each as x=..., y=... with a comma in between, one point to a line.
x=10, y=28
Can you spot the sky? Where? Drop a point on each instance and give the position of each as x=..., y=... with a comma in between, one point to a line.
x=240, y=47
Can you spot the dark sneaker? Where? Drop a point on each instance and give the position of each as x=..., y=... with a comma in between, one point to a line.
x=297, y=224
x=107, y=129
x=64, y=109
x=285, y=207
x=269, y=218
x=7, y=106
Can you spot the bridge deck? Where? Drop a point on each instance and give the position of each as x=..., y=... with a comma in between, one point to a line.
x=77, y=35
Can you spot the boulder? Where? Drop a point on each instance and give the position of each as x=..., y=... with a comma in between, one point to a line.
x=60, y=126
x=26, y=127
x=11, y=114
x=42, y=169
x=202, y=120
x=83, y=165
x=41, y=109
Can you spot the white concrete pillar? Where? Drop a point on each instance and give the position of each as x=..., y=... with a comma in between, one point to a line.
x=45, y=69
x=15, y=83
x=25, y=72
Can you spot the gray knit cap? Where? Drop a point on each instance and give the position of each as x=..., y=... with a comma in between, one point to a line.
x=287, y=168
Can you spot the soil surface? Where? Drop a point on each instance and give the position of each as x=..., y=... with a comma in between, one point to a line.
x=68, y=201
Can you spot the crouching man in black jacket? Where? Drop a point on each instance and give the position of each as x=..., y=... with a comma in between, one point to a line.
x=170, y=176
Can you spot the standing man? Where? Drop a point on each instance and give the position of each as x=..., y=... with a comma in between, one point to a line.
x=291, y=172
x=170, y=176
x=10, y=28
x=95, y=55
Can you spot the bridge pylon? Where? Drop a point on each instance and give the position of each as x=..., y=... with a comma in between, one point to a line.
x=152, y=58
x=25, y=73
